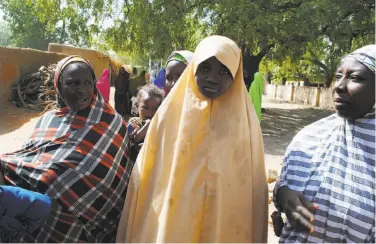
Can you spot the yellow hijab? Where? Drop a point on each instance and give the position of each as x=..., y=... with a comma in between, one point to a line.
x=200, y=176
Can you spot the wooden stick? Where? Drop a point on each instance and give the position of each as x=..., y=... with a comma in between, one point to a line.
x=20, y=96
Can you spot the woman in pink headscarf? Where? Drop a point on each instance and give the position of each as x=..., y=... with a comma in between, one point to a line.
x=103, y=85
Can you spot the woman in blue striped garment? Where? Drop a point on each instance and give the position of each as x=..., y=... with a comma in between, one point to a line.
x=327, y=184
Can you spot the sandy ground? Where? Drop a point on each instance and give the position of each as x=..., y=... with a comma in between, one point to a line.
x=280, y=123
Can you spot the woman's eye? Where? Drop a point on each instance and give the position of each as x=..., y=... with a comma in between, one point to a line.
x=224, y=72
x=356, y=78
x=88, y=82
x=203, y=68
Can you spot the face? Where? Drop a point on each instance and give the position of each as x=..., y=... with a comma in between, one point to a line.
x=354, y=90
x=77, y=86
x=148, y=106
x=174, y=70
x=213, y=78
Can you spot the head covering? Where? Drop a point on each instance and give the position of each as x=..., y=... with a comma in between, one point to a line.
x=127, y=68
x=183, y=56
x=365, y=55
x=255, y=91
x=160, y=80
x=78, y=159
x=59, y=70
x=200, y=175
x=332, y=163
x=103, y=85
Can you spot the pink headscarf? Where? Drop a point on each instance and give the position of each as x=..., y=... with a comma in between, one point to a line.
x=103, y=85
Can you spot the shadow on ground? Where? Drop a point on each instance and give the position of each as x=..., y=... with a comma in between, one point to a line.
x=279, y=126
x=12, y=117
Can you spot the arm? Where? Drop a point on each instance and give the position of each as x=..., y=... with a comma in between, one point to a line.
x=140, y=134
x=299, y=211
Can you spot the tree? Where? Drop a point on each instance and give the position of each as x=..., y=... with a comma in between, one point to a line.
x=282, y=28
x=36, y=23
x=5, y=34
x=153, y=29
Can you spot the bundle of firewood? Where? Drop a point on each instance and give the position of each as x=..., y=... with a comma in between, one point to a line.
x=36, y=91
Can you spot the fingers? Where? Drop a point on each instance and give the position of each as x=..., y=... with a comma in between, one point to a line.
x=299, y=222
x=302, y=223
x=305, y=213
x=301, y=217
x=308, y=204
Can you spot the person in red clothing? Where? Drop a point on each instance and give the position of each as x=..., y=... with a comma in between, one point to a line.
x=103, y=85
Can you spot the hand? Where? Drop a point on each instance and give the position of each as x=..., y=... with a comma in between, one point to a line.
x=298, y=209
x=140, y=134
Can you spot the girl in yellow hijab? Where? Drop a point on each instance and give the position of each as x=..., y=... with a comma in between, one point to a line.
x=200, y=176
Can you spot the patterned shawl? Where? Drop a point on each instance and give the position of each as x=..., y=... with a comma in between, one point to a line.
x=332, y=163
x=79, y=159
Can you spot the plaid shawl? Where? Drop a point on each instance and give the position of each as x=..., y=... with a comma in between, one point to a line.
x=80, y=160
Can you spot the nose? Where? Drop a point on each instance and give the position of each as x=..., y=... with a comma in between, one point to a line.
x=148, y=113
x=341, y=85
x=82, y=88
x=211, y=80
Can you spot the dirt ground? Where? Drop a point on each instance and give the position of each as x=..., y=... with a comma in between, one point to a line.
x=279, y=125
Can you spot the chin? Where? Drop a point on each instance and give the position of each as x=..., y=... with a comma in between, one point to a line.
x=346, y=115
x=208, y=95
x=79, y=108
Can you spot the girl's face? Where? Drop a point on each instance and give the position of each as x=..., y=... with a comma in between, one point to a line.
x=148, y=106
x=174, y=70
x=213, y=78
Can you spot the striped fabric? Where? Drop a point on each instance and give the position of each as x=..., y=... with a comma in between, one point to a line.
x=79, y=159
x=332, y=163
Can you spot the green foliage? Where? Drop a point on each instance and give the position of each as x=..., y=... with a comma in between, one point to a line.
x=304, y=38
x=154, y=29
x=5, y=34
x=309, y=35
x=35, y=23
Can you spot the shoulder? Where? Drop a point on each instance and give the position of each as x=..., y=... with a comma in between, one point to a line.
x=310, y=137
x=318, y=129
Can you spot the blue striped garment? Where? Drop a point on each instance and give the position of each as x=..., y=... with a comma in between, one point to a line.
x=332, y=163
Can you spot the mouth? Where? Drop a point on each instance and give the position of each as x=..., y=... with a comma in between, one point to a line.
x=210, y=89
x=341, y=102
x=82, y=100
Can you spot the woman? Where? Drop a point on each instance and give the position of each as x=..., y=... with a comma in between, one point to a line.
x=77, y=156
x=200, y=175
x=175, y=66
x=327, y=184
x=122, y=93
x=103, y=85
x=256, y=90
